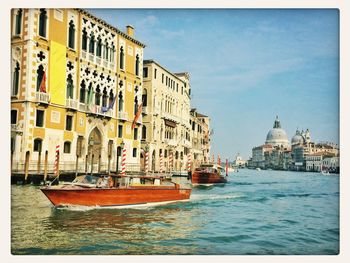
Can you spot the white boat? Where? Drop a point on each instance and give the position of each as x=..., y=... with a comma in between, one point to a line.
x=258, y=169
x=324, y=172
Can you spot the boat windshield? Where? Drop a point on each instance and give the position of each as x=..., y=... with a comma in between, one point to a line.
x=86, y=179
x=206, y=169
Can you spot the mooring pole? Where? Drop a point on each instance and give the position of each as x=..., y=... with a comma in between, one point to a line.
x=86, y=164
x=99, y=163
x=39, y=163
x=45, y=165
x=76, y=166
x=26, y=166
x=92, y=160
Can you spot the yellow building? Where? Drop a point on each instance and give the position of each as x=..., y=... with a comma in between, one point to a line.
x=76, y=83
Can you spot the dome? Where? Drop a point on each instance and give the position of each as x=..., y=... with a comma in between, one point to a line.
x=297, y=138
x=277, y=136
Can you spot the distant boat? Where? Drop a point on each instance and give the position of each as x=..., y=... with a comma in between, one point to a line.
x=111, y=191
x=258, y=169
x=208, y=174
x=325, y=172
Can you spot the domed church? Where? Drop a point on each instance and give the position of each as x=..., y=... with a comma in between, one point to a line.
x=277, y=136
x=301, y=137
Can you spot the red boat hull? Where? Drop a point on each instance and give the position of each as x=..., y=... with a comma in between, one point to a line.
x=207, y=178
x=114, y=196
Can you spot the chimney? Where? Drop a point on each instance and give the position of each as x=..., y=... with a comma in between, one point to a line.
x=130, y=30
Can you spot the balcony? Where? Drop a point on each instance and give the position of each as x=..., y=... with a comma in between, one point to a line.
x=111, y=65
x=105, y=63
x=170, y=142
x=187, y=143
x=83, y=54
x=98, y=60
x=139, y=120
x=144, y=110
x=170, y=117
x=42, y=97
x=91, y=57
x=122, y=115
x=71, y=104
x=82, y=107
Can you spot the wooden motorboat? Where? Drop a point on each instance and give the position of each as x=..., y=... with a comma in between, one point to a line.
x=107, y=191
x=208, y=174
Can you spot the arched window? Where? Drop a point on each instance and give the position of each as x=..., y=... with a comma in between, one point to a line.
x=111, y=99
x=135, y=105
x=66, y=147
x=37, y=145
x=39, y=77
x=82, y=92
x=104, y=98
x=120, y=101
x=144, y=98
x=106, y=51
x=92, y=44
x=15, y=84
x=18, y=28
x=99, y=47
x=121, y=58
x=137, y=65
x=98, y=96
x=70, y=87
x=84, y=40
x=71, y=35
x=134, y=152
x=42, y=22
x=112, y=53
x=144, y=132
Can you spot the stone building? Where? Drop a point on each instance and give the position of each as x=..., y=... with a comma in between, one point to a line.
x=76, y=82
x=166, y=129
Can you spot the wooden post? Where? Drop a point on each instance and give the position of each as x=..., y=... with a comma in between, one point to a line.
x=11, y=160
x=45, y=165
x=76, y=166
x=92, y=162
x=39, y=163
x=99, y=163
x=26, y=165
x=109, y=165
x=86, y=164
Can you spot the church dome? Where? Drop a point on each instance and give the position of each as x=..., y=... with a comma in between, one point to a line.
x=297, y=138
x=277, y=136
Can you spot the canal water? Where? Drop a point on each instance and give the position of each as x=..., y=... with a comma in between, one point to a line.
x=256, y=212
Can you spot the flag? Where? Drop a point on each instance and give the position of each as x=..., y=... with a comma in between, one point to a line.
x=42, y=87
x=137, y=115
x=105, y=109
x=90, y=97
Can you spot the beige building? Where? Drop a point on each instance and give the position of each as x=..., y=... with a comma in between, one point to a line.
x=200, y=125
x=76, y=81
x=166, y=117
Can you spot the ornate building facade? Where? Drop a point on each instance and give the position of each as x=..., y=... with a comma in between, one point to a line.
x=76, y=82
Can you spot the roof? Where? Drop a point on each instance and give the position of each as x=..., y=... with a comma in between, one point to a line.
x=103, y=22
x=150, y=61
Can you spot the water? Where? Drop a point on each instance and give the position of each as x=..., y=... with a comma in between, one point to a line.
x=256, y=212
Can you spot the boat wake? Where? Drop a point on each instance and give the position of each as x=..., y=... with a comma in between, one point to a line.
x=213, y=197
x=134, y=206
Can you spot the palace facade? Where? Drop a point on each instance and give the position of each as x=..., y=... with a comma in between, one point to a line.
x=76, y=84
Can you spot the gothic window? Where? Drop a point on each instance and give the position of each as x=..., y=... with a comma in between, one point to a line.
x=15, y=84
x=39, y=77
x=120, y=101
x=104, y=98
x=121, y=61
x=135, y=105
x=84, y=40
x=135, y=133
x=42, y=22
x=111, y=99
x=106, y=52
x=134, y=152
x=92, y=44
x=82, y=92
x=112, y=53
x=18, y=28
x=99, y=47
x=98, y=96
x=144, y=132
x=71, y=35
x=70, y=87
x=13, y=116
x=137, y=65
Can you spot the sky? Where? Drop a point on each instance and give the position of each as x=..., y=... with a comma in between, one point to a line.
x=246, y=66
